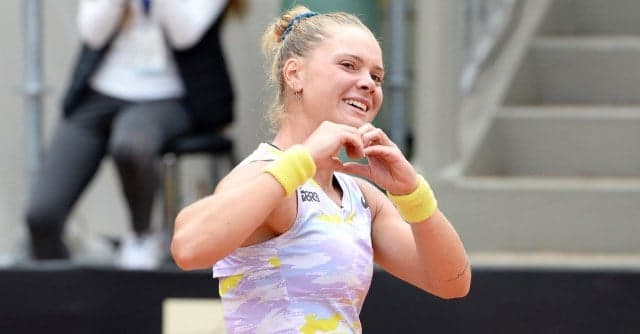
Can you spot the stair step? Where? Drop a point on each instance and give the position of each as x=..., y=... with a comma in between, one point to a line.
x=579, y=70
x=562, y=215
x=555, y=260
x=592, y=17
x=585, y=142
x=558, y=171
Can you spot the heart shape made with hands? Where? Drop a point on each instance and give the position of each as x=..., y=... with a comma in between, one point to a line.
x=353, y=152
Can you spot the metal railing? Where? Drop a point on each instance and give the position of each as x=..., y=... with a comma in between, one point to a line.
x=484, y=23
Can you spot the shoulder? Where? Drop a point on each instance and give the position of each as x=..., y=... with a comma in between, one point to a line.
x=374, y=197
x=249, y=168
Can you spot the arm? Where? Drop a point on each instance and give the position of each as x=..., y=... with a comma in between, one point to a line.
x=98, y=20
x=428, y=254
x=186, y=21
x=250, y=205
x=211, y=228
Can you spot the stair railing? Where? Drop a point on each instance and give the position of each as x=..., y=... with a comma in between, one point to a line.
x=485, y=23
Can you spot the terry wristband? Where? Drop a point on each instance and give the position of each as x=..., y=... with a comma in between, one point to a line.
x=293, y=168
x=418, y=205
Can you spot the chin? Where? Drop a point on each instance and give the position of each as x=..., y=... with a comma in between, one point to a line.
x=356, y=123
x=355, y=120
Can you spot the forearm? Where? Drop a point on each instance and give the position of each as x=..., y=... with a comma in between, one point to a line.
x=442, y=255
x=186, y=21
x=98, y=20
x=208, y=230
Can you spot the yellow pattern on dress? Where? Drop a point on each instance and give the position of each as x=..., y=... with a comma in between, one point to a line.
x=274, y=262
x=229, y=283
x=336, y=218
x=314, y=324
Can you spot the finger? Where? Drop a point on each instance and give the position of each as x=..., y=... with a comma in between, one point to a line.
x=353, y=145
x=383, y=152
x=354, y=152
x=357, y=169
x=365, y=128
x=375, y=136
x=335, y=164
x=363, y=131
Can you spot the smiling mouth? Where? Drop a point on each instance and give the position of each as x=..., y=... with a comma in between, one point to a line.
x=357, y=104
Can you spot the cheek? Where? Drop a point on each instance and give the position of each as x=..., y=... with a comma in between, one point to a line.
x=378, y=97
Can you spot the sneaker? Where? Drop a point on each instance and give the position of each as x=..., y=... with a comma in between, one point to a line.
x=19, y=252
x=140, y=252
x=89, y=248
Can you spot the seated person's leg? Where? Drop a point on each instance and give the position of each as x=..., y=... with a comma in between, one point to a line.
x=73, y=156
x=139, y=134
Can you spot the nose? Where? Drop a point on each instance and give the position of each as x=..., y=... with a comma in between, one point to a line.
x=366, y=83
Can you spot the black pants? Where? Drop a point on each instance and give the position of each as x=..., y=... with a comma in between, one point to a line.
x=132, y=133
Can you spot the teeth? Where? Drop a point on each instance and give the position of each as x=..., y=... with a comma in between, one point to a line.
x=357, y=104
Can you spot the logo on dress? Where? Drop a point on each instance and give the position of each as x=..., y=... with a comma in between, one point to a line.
x=364, y=202
x=309, y=196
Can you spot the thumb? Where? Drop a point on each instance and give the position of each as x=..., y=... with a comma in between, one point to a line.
x=357, y=169
x=335, y=163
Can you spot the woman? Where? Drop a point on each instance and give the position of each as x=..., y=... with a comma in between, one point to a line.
x=292, y=237
x=148, y=72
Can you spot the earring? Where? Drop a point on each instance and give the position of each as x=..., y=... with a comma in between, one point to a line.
x=298, y=94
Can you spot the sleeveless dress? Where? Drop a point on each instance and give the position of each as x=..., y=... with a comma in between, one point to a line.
x=311, y=279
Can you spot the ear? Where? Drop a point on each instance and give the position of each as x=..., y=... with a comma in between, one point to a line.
x=293, y=74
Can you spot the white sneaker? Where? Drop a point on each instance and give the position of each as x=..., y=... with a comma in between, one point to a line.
x=87, y=247
x=19, y=252
x=141, y=252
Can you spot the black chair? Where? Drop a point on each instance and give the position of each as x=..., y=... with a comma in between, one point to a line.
x=215, y=144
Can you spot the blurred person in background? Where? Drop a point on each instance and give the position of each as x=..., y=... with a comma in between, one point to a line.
x=291, y=236
x=148, y=71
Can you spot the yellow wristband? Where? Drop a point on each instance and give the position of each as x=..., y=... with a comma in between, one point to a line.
x=418, y=205
x=293, y=168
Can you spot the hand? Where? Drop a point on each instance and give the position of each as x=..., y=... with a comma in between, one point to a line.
x=387, y=167
x=325, y=142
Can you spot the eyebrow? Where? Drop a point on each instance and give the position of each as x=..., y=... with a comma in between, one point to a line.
x=359, y=59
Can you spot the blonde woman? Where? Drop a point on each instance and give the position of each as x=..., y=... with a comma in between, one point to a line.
x=291, y=235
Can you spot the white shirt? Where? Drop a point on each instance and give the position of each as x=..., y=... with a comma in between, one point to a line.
x=139, y=64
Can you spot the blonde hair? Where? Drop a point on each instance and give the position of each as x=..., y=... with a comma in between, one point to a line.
x=301, y=37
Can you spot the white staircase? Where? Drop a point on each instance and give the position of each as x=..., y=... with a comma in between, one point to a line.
x=558, y=170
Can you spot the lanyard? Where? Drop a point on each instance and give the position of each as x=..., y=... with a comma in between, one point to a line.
x=146, y=6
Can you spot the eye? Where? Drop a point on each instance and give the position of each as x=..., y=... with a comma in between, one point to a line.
x=348, y=65
x=377, y=78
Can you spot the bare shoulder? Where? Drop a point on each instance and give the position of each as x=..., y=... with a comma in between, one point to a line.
x=279, y=220
x=372, y=194
x=240, y=175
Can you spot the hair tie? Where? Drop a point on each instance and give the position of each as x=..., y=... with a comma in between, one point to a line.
x=294, y=21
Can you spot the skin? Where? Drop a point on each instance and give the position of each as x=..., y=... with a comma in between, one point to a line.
x=342, y=68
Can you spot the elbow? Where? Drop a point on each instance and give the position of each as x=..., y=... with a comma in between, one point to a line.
x=182, y=254
x=458, y=287
x=455, y=289
x=183, y=251
x=189, y=257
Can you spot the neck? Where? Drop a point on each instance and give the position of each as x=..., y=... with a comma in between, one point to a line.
x=296, y=130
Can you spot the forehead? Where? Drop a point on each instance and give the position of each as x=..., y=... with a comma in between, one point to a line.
x=351, y=40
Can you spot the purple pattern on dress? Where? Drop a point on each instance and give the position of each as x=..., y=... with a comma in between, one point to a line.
x=313, y=278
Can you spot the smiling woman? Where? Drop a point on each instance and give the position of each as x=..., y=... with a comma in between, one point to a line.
x=343, y=77
x=290, y=233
